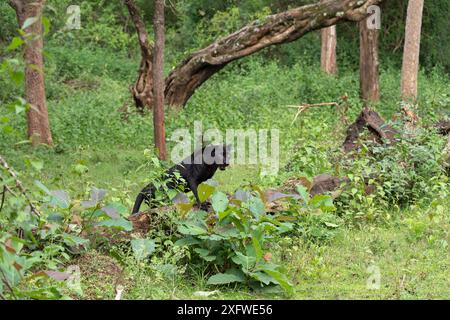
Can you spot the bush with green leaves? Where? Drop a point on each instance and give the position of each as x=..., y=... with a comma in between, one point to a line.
x=235, y=240
x=409, y=172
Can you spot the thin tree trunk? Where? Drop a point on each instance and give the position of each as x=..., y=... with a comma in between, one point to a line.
x=368, y=63
x=158, y=80
x=37, y=116
x=276, y=29
x=328, y=53
x=411, y=51
x=142, y=90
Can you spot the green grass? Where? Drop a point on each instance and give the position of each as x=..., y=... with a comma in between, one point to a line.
x=410, y=268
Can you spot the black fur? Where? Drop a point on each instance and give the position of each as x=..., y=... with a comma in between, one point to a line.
x=193, y=174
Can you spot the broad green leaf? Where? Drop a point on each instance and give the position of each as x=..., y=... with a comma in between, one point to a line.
x=242, y=195
x=256, y=206
x=118, y=207
x=205, y=254
x=184, y=208
x=219, y=202
x=280, y=279
x=97, y=195
x=263, y=277
x=72, y=240
x=142, y=248
x=60, y=199
x=227, y=231
x=120, y=223
x=324, y=202
x=15, y=43
x=111, y=211
x=188, y=241
x=224, y=214
x=205, y=191
x=245, y=261
x=180, y=198
x=257, y=248
x=28, y=22
x=224, y=278
x=303, y=192
x=191, y=229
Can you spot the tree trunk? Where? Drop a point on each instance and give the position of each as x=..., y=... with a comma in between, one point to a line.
x=368, y=63
x=37, y=116
x=275, y=29
x=158, y=80
x=328, y=54
x=411, y=51
x=142, y=90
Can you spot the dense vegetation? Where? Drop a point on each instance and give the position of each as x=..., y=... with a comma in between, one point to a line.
x=308, y=247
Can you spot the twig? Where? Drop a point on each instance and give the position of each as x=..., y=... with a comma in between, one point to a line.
x=307, y=106
x=19, y=185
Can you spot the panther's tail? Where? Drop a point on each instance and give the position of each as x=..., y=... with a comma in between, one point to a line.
x=137, y=204
x=144, y=195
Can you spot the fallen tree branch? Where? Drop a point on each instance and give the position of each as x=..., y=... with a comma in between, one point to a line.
x=19, y=185
x=305, y=107
x=368, y=119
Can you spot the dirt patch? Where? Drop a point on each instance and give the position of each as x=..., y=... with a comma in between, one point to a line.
x=100, y=275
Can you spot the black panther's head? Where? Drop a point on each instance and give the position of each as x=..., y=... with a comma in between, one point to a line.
x=226, y=157
x=221, y=156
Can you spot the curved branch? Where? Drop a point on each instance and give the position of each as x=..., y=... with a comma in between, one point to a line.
x=276, y=29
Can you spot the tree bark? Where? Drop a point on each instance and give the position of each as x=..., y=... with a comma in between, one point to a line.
x=37, y=116
x=276, y=29
x=411, y=51
x=368, y=63
x=142, y=90
x=328, y=53
x=328, y=50
x=158, y=80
